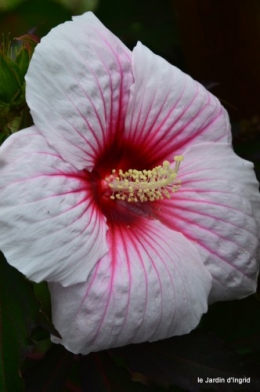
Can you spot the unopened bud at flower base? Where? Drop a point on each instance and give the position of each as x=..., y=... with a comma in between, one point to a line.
x=25, y=52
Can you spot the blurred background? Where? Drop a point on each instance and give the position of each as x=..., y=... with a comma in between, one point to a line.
x=216, y=42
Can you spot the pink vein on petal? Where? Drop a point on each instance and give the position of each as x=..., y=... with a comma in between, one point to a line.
x=153, y=239
x=159, y=279
x=130, y=278
x=175, y=120
x=94, y=108
x=204, y=245
x=97, y=82
x=121, y=73
x=138, y=131
x=89, y=127
x=182, y=128
x=106, y=306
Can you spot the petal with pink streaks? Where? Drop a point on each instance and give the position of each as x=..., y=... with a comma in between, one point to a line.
x=218, y=207
x=50, y=227
x=78, y=87
x=150, y=286
x=168, y=110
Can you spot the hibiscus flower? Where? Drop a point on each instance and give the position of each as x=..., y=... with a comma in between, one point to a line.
x=97, y=200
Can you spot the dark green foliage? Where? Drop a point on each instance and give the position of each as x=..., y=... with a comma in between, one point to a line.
x=18, y=314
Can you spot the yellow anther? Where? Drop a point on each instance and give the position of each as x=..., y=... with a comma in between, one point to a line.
x=145, y=185
x=178, y=158
x=166, y=163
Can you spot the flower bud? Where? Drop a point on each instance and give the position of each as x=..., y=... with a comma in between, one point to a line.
x=23, y=57
x=10, y=79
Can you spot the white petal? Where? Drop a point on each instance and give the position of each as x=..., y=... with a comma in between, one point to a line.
x=218, y=207
x=50, y=227
x=150, y=286
x=78, y=87
x=168, y=110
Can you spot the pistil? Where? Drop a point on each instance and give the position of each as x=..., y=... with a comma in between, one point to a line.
x=145, y=185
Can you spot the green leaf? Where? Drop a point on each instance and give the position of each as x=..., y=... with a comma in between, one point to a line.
x=7, y=4
x=18, y=314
